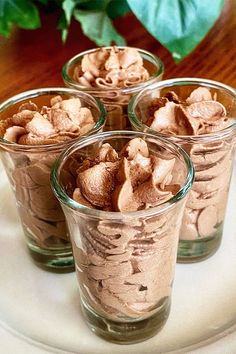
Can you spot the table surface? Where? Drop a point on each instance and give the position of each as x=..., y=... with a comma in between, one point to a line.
x=33, y=59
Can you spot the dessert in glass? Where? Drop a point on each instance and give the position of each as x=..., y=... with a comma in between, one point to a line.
x=123, y=199
x=198, y=115
x=35, y=126
x=113, y=74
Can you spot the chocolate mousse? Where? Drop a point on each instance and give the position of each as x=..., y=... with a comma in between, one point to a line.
x=198, y=114
x=29, y=171
x=62, y=121
x=109, y=70
x=125, y=266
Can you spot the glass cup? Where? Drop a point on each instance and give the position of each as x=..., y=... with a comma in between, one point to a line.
x=28, y=168
x=125, y=262
x=212, y=157
x=115, y=100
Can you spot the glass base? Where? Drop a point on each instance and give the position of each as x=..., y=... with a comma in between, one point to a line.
x=123, y=332
x=201, y=249
x=57, y=261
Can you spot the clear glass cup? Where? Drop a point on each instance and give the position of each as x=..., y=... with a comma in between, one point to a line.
x=115, y=100
x=28, y=168
x=125, y=262
x=212, y=157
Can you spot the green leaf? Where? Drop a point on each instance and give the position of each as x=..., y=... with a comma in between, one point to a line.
x=98, y=27
x=68, y=7
x=178, y=24
x=117, y=8
x=93, y=4
x=63, y=27
x=44, y=2
x=22, y=13
x=65, y=19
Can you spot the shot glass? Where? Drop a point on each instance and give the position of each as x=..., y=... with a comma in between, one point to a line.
x=28, y=168
x=125, y=262
x=115, y=100
x=212, y=157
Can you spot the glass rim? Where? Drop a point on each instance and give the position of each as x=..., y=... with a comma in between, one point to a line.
x=126, y=90
x=84, y=210
x=209, y=137
x=48, y=91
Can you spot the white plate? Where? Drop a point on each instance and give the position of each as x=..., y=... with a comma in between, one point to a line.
x=40, y=312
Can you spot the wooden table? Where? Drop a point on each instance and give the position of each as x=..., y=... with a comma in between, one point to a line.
x=32, y=59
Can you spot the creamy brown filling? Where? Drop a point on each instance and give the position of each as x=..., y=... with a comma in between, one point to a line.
x=29, y=174
x=112, y=69
x=126, y=267
x=199, y=114
x=63, y=120
x=129, y=181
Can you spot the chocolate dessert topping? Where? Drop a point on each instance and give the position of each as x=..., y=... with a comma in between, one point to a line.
x=126, y=266
x=199, y=114
x=63, y=120
x=111, y=68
